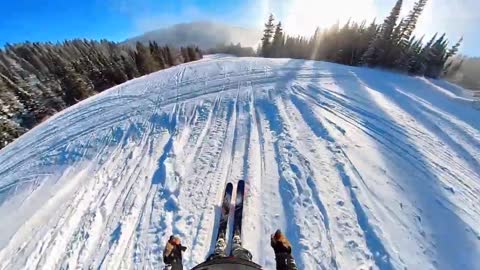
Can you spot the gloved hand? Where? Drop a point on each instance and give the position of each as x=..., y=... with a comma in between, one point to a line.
x=175, y=241
x=168, y=253
x=280, y=243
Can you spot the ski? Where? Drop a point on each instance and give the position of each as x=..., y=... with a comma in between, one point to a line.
x=221, y=243
x=237, y=220
x=240, y=258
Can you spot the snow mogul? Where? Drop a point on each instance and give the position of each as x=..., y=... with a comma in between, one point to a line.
x=240, y=258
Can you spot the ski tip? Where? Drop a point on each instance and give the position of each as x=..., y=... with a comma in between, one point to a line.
x=229, y=185
x=241, y=183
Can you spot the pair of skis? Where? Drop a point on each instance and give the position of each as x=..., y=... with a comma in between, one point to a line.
x=225, y=213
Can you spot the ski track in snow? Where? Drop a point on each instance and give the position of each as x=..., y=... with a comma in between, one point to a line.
x=361, y=169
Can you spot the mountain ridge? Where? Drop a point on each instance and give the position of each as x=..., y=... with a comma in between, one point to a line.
x=205, y=34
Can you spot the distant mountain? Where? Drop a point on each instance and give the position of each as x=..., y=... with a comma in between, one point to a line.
x=204, y=34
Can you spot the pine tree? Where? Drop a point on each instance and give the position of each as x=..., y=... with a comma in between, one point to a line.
x=129, y=66
x=192, y=54
x=389, y=45
x=406, y=53
x=379, y=48
x=278, y=41
x=437, y=58
x=391, y=21
x=420, y=58
x=76, y=87
x=157, y=54
x=144, y=59
x=397, y=33
x=169, y=56
x=267, y=35
x=409, y=24
x=9, y=131
x=454, y=48
x=184, y=53
x=403, y=41
x=39, y=79
x=199, y=53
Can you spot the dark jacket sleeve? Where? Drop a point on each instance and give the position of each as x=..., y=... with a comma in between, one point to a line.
x=167, y=253
x=285, y=261
x=173, y=254
x=167, y=259
x=174, y=259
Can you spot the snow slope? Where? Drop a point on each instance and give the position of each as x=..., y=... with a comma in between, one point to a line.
x=361, y=168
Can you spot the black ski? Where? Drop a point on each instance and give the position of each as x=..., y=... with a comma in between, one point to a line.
x=225, y=210
x=222, y=226
x=237, y=221
x=239, y=256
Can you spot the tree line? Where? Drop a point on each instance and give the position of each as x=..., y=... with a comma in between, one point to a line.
x=390, y=45
x=233, y=49
x=40, y=79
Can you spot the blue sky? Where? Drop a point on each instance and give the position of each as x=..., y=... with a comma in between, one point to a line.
x=53, y=20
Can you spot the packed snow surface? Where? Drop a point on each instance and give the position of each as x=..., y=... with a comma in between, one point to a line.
x=360, y=168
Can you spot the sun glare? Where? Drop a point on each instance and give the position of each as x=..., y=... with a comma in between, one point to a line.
x=305, y=15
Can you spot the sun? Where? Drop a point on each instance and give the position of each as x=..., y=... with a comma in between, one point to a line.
x=303, y=16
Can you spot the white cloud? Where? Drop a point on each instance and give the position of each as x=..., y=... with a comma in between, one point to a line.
x=148, y=21
x=303, y=16
x=456, y=18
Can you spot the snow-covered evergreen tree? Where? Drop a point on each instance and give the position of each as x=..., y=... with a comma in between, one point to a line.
x=381, y=45
x=267, y=36
x=39, y=79
x=278, y=41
